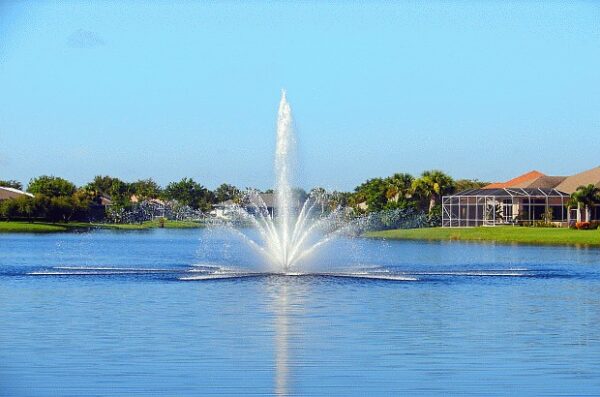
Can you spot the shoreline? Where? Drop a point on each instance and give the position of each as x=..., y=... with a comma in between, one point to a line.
x=47, y=227
x=498, y=234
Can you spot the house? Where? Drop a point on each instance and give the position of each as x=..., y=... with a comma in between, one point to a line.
x=104, y=200
x=570, y=185
x=526, y=199
x=253, y=204
x=264, y=201
x=9, y=193
x=224, y=209
x=134, y=199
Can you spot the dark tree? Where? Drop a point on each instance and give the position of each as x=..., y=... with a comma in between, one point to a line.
x=189, y=192
x=466, y=184
x=372, y=193
x=116, y=189
x=226, y=192
x=145, y=189
x=9, y=209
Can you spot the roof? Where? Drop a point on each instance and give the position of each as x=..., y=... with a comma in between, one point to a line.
x=267, y=198
x=521, y=179
x=226, y=203
x=9, y=192
x=103, y=199
x=544, y=182
x=270, y=201
x=571, y=183
x=511, y=192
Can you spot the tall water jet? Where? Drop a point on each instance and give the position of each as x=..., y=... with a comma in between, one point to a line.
x=288, y=232
x=284, y=158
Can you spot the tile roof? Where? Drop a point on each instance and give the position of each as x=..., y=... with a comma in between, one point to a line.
x=511, y=192
x=571, y=183
x=544, y=182
x=528, y=177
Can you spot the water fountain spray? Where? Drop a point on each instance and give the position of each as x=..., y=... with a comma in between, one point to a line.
x=288, y=233
x=284, y=153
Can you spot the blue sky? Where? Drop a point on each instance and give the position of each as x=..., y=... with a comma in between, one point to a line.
x=171, y=89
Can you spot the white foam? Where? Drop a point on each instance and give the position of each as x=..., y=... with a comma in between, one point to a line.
x=78, y=273
x=130, y=269
x=374, y=276
x=207, y=265
x=215, y=270
x=220, y=276
x=473, y=273
x=95, y=271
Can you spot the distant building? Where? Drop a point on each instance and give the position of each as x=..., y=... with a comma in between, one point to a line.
x=9, y=193
x=267, y=201
x=526, y=199
x=571, y=183
x=134, y=199
x=104, y=200
x=264, y=200
x=224, y=209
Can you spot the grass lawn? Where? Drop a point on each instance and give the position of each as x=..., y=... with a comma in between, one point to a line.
x=39, y=227
x=500, y=234
x=26, y=227
x=148, y=225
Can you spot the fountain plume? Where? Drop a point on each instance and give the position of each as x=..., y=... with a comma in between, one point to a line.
x=289, y=232
x=284, y=158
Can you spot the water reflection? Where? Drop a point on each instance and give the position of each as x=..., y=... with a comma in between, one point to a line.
x=287, y=299
x=281, y=342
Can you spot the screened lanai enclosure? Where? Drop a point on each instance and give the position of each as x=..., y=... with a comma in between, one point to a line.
x=505, y=206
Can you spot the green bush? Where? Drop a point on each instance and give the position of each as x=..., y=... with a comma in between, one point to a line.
x=9, y=209
x=42, y=207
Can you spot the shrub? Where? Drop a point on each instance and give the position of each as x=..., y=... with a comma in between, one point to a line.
x=9, y=209
x=582, y=225
x=25, y=206
x=594, y=225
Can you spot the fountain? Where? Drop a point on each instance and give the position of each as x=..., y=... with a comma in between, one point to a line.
x=288, y=233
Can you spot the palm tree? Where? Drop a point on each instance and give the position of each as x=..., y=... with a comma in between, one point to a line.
x=586, y=197
x=432, y=185
x=320, y=196
x=399, y=187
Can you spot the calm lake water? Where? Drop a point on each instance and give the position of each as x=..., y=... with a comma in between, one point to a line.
x=111, y=314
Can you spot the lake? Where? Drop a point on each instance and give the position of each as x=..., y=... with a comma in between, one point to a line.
x=187, y=312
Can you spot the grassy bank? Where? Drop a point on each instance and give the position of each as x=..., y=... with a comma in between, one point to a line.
x=41, y=227
x=25, y=227
x=507, y=235
x=168, y=224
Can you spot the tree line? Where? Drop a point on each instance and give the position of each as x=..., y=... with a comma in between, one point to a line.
x=57, y=199
x=402, y=190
